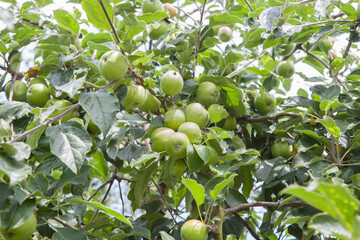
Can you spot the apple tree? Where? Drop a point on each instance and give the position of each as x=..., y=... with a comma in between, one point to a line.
x=179, y=119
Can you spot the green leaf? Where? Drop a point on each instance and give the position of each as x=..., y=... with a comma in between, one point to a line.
x=330, y=126
x=14, y=110
x=105, y=209
x=70, y=142
x=17, y=150
x=195, y=163
x=327, y=225
x=69, y=233
x=63, y=81
x=144, y=178
x=220, y=186
x=325, y=105
x=67, y=21
x=337, y=64
x=16, y=171
x=2, y=47
x=165, y=236
x=5, y=129
x=197, y=190
x=38, y=182
x=96, y=38
x=102, y=107
x=95, y=13
x=217, y=113
x=17, y=214
x=203, y=152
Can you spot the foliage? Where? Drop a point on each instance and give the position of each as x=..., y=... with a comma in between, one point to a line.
x=63, y=161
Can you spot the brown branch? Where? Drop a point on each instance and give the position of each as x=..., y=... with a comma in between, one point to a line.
x=248, y=227
x=314, y=56
x=270, y=117
x=263, y=204
x=62, y=222
x=244, y=66
x=122, y=178
x=199, y=36
x=353, y=28
x=247, y=3
x=300, y=3
x=329, y=21
x=32, y=23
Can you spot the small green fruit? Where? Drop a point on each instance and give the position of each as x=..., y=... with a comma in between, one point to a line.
x=171, y=83
x=37, y=80
x=19, y=93
x=214, y=157
x=168, y=67
x=135, y=97
x=207, y=93
x=38, y=94
x=171, y=9
x=176, y=144
x=264, y=103
x=229, y=124
x=285, y=69
x=196, y=113
x=174, y=118
x=178, y=167
x=151, y=6
x=158, y=137
x=113, y=65
x=192, y=131
x=281, y=149
x=160, y=30
x=60, y=107
x=225, y=33
x=22, y=232
x=194, y=230
x=151, y=103
x=285, y=49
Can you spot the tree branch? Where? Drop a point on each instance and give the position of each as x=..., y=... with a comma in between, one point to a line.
x=314, y=56
x=353, y=28
x=270, y=117
x=300, y=3
x=329, y=21
x=248, y=227
x=62, y=222
x=199, y=36
x=247, y=3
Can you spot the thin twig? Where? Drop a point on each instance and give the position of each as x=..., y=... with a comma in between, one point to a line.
x=329, y=21
x=110, y=22
x=314, y=56
x=122, y=178
x=248, y=227
x=243, y=67
x=199, y=36
x=300, y=3
x=98, y=189
x=62, y=222
x=270, y=117
x=353, y=28
x=122, y=199
x=247, y=3
x=44, y=123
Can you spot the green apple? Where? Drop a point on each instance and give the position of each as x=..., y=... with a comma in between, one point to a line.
x=113, y=65
x=214, y=157
x=151, y=6
x=171, y=83
x=183, y=45
x=285, y=49
x=92, y=127
x=285, y=69
x=19, y=93
x=160, y=30
x=264, y=103
x=192, y=131
x=168, y=67
x=22, y=232
x=151, y=103
x=281, y=149
x=194, y=230
x=329, y=43
x=135, y=97
x=158, y=137
x=175, y=145
x=174, y=118
x=195, y=112
x=60, y=107
x=76, y=119
x=228, y=124
x=37, y=80
x=38, y=94
x=171, y=9
x=207, y=93
x=225, y=33
x=178, y=167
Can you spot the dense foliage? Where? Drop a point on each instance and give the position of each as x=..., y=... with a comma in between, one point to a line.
x=240, y=118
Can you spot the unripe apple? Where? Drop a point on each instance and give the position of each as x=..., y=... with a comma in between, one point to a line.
x=176, y=144
x=37, y=80
x=171, y=83
x=19, y=93
x=228, y=124
x=285, y=69
x=151, y=103
x=183, y=45
x=214, y=157
x=76, y=119
x=225, y=33
x=113, y=65
x=135, y=97
x=174, y=118
x=192, y=131
x=60, y=107
x=37, y=95
x=329, y=42
x=194, y=230
x=178, y=167
x=151, y=6
x=264, y=103
x=22, y=232
x=168, y=67
x=169, y=7
x=281, y=149
x=160, y=30
x=207, y=93
x=285, y=49
x=196, y=113
x=158, y=137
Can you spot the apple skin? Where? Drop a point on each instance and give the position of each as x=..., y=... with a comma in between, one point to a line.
x=151, y=103
x=191, y=130
x=176, y=144
x=285, y=69
x=160, y=30
x=225, y=33
x=177, y=168
x=37, y=95
x=195, y=112
x=168, y=67
x=329, y=42
x=158, y=137
x=194, y=230
x=285, y=49
x=151, y=6
x=174, y=118
x=207, y=93
x=76, y=119
x=214, y=157
x=19, y=93
x=171, y=83
x=92, y=127
x=37, y=80
x=135, y=97
x=169, y=7
x=183, y=45
x=264, y=103
x=229, y=124
x=281, y=149
x=113, y=65
x=23, y=232
x=60, y=107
